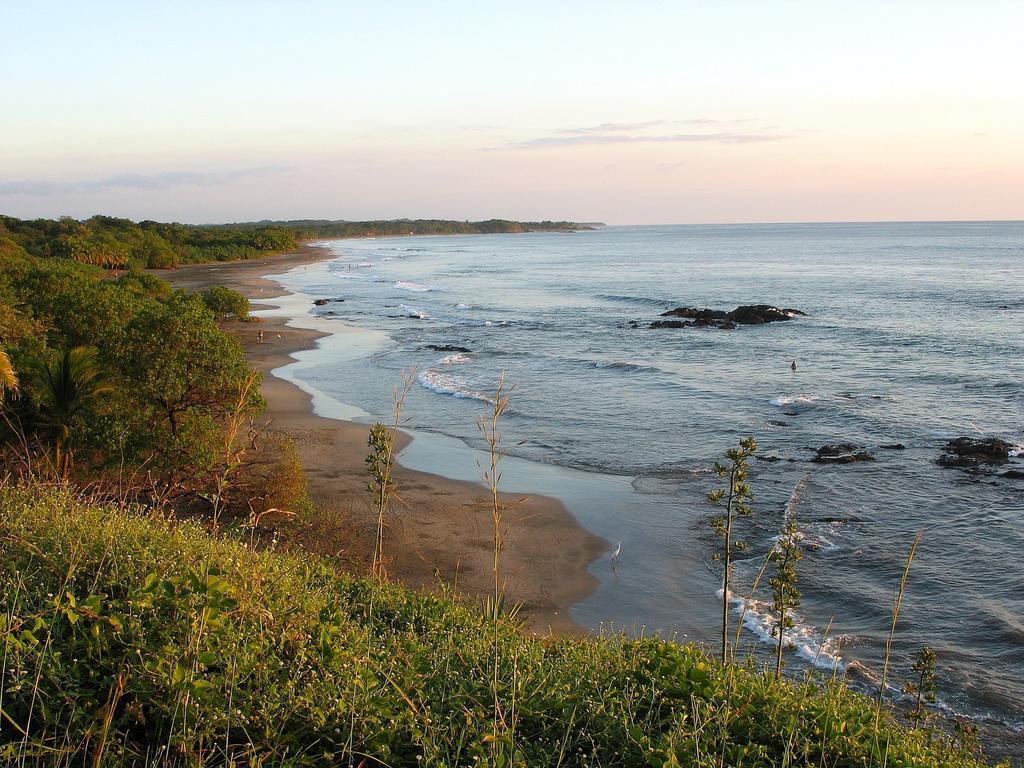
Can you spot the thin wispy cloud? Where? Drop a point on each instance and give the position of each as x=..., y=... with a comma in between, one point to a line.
x=690, y=131
x=711, y=137
x=154, y=182
x=613, y=127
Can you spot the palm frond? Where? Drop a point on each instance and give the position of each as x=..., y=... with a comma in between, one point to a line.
x=8, y=377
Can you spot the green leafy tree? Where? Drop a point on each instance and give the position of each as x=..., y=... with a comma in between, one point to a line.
x=71, y=385
x=734, y=498
x=785, y=595
x=186, y=373
x=224, y=302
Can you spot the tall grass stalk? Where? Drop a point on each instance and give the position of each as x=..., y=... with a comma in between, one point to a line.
x=489, y=424
x=786, y=553
x=380, y=466
x=897, y=604
x=736, y=495
x=234, y=452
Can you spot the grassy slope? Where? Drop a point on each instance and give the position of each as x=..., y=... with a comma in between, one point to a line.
x=154, y=644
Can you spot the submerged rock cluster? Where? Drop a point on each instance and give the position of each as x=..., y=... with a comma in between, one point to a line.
x=972, y=451
x=747, y=314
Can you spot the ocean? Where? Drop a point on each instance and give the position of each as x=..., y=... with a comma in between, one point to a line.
x=914, y=335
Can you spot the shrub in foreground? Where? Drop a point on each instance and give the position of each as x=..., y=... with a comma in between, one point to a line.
x=131, y=640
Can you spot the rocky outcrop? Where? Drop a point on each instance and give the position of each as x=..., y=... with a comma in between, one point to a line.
x=321, y=302
x=446, y=348
x=748, y=314
x=758, y=314
x=841, y=453
x=972, y=451
x=725, y=325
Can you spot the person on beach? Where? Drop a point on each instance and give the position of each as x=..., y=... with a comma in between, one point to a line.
x=259, y=337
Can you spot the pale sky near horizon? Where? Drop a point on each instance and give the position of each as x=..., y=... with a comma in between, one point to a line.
x=623, y=112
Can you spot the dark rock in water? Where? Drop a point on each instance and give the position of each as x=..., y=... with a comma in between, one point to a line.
x=893, y=447
x=1013, y=474
x=841, y=453
x=775, y=423
x=748, y=314
x=321, y=302
x=768, y=458
x=759, y=314
x=692, y=313
x=446, y=348
x=791, y=413
x=672, y=324
x=971, y=451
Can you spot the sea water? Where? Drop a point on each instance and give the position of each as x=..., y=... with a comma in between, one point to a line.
x=914, y=335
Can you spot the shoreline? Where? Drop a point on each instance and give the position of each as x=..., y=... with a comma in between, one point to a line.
x=441, y=532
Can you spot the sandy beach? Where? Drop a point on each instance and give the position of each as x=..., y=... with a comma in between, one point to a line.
x=441, y=530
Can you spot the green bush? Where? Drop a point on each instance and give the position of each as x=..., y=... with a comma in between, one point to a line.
x=224, y=303
x=129, y=640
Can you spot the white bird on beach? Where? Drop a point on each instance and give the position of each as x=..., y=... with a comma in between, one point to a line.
x=615, y=555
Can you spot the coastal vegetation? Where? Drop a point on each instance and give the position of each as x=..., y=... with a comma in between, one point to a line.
x=133, y=639
x=115, y=375
x=114, y=243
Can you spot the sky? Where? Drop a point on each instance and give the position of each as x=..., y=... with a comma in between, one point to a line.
x=622, y=112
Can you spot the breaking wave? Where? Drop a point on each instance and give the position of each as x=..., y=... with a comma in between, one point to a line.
x=450, y=384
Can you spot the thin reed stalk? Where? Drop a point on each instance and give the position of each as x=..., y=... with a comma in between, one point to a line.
x=897, y=605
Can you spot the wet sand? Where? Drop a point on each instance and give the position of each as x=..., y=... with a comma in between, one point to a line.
x=441, y=529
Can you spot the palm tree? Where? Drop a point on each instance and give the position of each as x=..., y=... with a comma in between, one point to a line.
x=8, y=378
x=71, y=384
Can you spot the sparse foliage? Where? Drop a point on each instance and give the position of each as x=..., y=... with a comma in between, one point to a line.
x=735, y=498
x=923, y=687
x=785, y=594
x=380, y=466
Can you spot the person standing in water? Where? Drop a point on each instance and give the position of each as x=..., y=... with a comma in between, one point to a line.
x=792, y=366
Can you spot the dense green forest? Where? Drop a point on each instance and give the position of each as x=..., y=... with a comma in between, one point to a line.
x=115, y=243
x=121, y=373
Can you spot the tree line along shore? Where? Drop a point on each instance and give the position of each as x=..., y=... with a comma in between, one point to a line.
x=114, y=243
x=151, y=616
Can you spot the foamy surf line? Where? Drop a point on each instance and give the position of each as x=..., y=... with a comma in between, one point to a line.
x=803, y=638
x=339, y=341
x=591, y=498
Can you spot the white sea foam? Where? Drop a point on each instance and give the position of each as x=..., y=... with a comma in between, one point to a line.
x=803, y=638
x=365, y=264
x=406, y=285
x=449, y=384
x=782, y=400
x=1017, y=450
x=460, y=305
x=454, y=359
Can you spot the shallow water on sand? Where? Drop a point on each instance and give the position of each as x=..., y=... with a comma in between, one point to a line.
x=913, y=336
